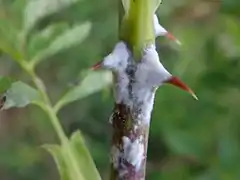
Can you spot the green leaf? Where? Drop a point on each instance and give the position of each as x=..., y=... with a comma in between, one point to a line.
x=58, y=156
x=37, y=9
x=83, y=157
x=5, y=83
x=93, y=82
x=20, y=95
x=67, y=39
x=231, y=44
x=9, y=40
x=73, y=160
x=42, y=39
x=65, y=164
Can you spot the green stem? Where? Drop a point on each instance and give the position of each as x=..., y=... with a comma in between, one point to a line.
x=48, y=108
x=46, y=105
x=55, y=122
x=64, y=140
x=137, y=27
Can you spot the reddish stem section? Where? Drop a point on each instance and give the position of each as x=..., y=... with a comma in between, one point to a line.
x=125, y=126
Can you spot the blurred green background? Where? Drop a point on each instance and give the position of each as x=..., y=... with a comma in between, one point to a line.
x=189, y=140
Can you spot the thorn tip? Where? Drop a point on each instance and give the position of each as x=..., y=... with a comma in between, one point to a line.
x=172, y=38
x=178, y=42
x=96, y=66
x=194, y=95
x=178, y=83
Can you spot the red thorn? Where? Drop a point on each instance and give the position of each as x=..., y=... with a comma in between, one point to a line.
x=172, y=38
x=178, y=83
x=96, y=66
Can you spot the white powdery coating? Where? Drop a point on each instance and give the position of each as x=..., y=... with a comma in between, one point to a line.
x=150, y=74
x=121, y=93
x=141, y=138
x=123, y=172
x=150, y=71
x=161, y=31
x=158, y=29
x=143, y=103
x=133, y=152
x=118, y=61
x=136, y=89
x=135, y=128
x=111, y=118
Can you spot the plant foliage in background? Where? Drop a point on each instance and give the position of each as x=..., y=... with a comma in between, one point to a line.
x=28, y=47
x=196, y=141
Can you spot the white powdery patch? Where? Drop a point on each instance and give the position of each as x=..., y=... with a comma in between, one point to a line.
x=116, y=156
x=135, y=127
x=143, y=103
x=121, y=93
x=141, y=138
x=118, y=61
x=150, y=74
x=161, y=31
x=150, y=71
x=133, y=152
x=111, y=118
x=136, y=89
x=158, y=29
x=122, y=173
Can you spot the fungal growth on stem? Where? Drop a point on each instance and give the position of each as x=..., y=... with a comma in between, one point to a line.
x=135, y=86
x=138, y=72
